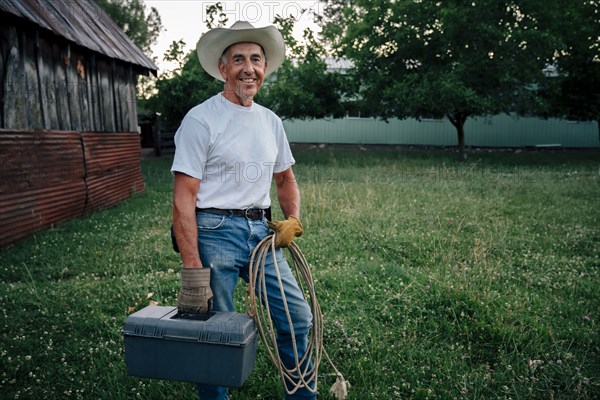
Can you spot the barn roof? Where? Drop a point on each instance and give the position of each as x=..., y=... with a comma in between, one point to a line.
x=82, y=22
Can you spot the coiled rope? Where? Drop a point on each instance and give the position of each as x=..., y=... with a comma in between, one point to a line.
x=257, y=305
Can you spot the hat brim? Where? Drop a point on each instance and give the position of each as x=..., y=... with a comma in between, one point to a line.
x=211, y=45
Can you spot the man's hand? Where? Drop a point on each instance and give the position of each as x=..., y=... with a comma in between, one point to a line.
x=195, y=295
x=286, y=231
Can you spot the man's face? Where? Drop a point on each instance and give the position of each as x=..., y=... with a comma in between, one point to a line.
x=243, y=72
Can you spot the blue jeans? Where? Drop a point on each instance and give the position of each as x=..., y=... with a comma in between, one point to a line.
x=225, y=243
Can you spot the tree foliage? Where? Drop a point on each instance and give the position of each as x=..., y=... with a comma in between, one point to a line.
x=451, y=58
x=302, y=87
x=130, y=15
x=187, y=85
x=574, y=91
x=182, y=89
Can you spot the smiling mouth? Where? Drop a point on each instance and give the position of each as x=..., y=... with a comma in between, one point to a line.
x=248, y=80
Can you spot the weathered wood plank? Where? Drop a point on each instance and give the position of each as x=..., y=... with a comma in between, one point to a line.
x=83, y=75
x=47, y=83
x=96, y=117
x=72, y=91
x=123, y=98
x=132, y=113
x=106, y=94
x=62, y=87
x=4, y=50
x=114, y=83
x=54, y=85
x=32, y=88
x=15, y=114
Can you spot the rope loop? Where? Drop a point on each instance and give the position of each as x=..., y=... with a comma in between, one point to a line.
x=257, y=306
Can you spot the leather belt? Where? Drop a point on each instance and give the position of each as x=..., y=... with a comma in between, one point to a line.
x=250, y=213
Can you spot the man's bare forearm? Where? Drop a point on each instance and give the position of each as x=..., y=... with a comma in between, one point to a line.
x=288, y=193
x=186, y=233
x=184, y=220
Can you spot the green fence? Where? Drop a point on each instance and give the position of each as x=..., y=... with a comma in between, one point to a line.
x=496, y=131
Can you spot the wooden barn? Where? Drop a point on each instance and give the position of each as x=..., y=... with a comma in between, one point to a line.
x=69, y=142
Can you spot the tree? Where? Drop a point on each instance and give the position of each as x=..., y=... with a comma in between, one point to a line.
x=302, y=87
x=183, y=88
x=454, y=58
x=188, y=84
x=574, y=91
x=130, y=16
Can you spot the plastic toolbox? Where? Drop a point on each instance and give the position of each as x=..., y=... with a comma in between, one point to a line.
x=219, y=350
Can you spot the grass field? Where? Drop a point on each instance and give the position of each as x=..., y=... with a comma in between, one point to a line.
x=437, y=279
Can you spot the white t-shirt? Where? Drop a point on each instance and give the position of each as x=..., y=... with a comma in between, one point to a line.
x=234, y=151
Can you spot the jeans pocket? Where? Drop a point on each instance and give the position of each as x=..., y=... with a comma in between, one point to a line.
x=210, y=222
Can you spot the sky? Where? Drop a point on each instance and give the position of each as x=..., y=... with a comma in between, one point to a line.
x=185, y=19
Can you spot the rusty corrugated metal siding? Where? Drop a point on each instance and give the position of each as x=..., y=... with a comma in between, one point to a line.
x=113, y=168
x=82, y=22
x=48, y=177
x=38, y=209
x=42, y=181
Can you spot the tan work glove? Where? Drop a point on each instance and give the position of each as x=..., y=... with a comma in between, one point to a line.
x=286, y=231
x=195, y=295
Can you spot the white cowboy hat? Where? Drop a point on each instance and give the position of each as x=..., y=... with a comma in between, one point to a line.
x=213, y=43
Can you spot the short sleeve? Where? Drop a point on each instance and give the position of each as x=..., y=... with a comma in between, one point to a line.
x=285, y=159
x=191, y=148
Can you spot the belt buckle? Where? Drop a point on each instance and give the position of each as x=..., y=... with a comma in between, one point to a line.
x=249, y=212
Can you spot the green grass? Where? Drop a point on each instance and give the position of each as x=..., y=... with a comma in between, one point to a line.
x=437, y=279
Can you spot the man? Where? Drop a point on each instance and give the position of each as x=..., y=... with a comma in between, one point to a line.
x=228, y=149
